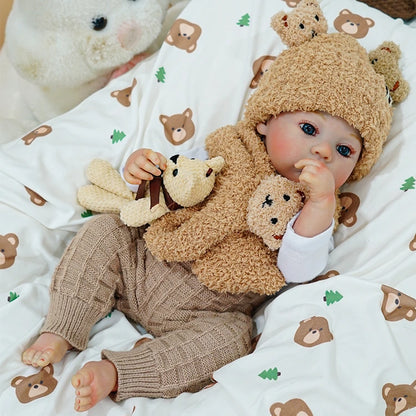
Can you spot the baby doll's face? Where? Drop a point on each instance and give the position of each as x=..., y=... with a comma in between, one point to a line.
x=290, y=137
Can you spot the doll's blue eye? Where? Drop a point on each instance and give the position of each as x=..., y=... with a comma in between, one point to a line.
x=344, y=150
x=308, y=129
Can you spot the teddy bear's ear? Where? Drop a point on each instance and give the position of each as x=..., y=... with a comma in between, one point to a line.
x=392, y=48
x=279, y=22
x=216, y=163
x=16, y=381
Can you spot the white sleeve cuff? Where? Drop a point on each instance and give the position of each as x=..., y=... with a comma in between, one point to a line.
x=301, y=259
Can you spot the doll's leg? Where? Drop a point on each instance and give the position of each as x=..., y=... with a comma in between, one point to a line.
x=83, y=287
x=182, y=360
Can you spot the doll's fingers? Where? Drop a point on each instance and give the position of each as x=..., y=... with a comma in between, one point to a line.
x=300, y=164
x=162, y=161
x=156, y=158
x=131, y=179
x=134, y=175
x=150, y=168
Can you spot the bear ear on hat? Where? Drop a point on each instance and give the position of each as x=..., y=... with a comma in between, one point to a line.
x=300, y=25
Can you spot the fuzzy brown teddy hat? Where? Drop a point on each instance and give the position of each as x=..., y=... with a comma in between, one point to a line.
x=330, y=73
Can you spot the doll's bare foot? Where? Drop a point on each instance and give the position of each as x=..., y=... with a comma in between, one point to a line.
x=94, y=382
x=47, y=349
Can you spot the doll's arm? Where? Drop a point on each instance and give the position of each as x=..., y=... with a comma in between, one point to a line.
x=319, y=209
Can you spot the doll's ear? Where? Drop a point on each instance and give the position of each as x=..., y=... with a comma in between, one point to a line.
x=262, y=128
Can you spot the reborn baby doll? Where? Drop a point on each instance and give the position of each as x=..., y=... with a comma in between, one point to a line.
x=314, y=118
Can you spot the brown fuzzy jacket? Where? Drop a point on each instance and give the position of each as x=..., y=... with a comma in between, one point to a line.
x=214, y=235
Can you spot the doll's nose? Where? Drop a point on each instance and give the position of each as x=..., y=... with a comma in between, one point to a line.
x=322, y=151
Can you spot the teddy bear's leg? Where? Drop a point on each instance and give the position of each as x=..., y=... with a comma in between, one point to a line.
x=101, y=173
x=97, y=199
x=138, y=213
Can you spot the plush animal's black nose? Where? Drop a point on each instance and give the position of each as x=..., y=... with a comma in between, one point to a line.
x=174, y=158
x=273, y=221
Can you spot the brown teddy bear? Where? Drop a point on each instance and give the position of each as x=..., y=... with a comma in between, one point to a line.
x=8, y=252
x=35, y=386
x=275, y=201
x=399, y=398
x=185, y=182
x=385, y=60
x=300, y=25
x=293, y=407
x=179, y=127
x=313, y=331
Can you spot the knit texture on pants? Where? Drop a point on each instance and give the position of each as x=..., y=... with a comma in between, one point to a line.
x=196, y=330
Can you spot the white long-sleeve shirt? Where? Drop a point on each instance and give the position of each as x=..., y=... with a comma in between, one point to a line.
x=300, y=259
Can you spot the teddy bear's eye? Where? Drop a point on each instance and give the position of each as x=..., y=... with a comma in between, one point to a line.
x=268, y=201
x=373, y=61
x=175, y=172
x=317, y=18
x=29, y=385
x=388, y=96
x=286, y=197
x=302, y=26
x=99, y=23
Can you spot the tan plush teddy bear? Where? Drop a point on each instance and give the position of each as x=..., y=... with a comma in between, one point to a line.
x=385, y=60
x=184, y=183
x=275, y=201
x=300, y=25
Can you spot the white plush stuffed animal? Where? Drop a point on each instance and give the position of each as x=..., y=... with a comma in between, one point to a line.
x=184, y=183
x=58, y=52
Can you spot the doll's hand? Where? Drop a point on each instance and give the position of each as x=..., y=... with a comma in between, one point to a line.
x=143, y=164
x=318, y=212
x=318, y=179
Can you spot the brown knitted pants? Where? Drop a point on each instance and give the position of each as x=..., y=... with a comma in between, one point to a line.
x=196, y=330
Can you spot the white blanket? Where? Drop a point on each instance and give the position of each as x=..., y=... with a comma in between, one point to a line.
x=361, y=355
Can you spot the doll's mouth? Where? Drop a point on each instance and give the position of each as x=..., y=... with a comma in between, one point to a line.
x=277, y=237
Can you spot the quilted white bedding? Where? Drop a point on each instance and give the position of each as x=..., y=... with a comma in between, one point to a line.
x=338, y=346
